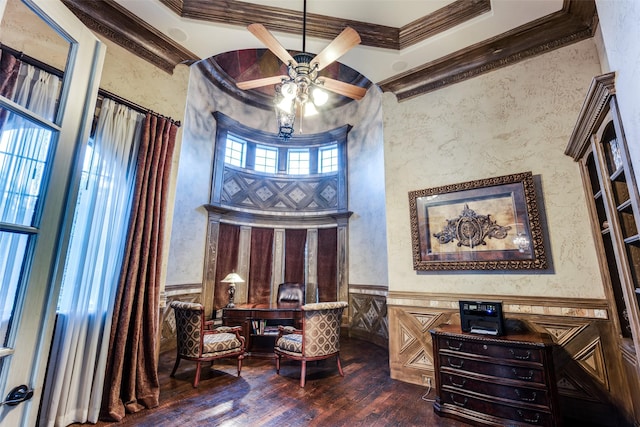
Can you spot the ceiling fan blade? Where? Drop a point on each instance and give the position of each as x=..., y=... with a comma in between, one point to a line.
x=266, y=81
x=342, y=88
x=346, y=40
x=271, y=43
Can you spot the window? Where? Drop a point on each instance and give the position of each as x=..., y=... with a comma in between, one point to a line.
x=25, y=155
x=298, y=162
x=328, y=159
x=266, y=159
x=235, y=151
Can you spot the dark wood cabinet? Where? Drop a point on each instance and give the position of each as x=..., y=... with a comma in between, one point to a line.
x=598, y=144
x=487, y=380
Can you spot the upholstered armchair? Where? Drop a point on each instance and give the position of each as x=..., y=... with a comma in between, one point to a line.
x=318, y=339
x=198, y=341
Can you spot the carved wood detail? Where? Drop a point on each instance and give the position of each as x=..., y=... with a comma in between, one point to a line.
x=590, y=117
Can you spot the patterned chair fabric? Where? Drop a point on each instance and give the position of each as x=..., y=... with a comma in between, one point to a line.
x=197, y=342
x=318, y=339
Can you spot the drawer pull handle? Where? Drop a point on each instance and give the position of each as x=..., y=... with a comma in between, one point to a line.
x=453, y=399
x=453, y=365
x=515, y=372
x=530, y=420
x=459, y=385
x=453, y=347
x=525, y=356
x=527, y=399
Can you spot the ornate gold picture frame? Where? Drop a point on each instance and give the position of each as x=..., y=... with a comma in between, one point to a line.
x=489, y=224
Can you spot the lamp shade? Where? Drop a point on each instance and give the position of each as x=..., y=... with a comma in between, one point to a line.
x=232, y=278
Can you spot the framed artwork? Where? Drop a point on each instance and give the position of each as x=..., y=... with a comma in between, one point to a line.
x=489, y=224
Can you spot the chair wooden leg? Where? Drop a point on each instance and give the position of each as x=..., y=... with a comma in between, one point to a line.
x=303, y=374
x=197, y=378
x=175, y=367
x=278, y=363
x=339, y=366
x=240, y=363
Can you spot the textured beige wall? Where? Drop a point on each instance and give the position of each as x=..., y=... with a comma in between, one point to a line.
x=23, y=31
x=512, y=120
x=367, y=224
x=139, y=81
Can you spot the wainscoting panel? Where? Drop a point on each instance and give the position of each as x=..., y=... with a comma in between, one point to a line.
x=588, y=364
x=368, y=314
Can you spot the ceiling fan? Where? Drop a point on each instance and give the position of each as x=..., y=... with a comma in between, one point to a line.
x=303, y=84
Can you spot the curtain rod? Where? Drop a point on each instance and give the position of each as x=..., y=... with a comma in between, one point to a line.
x=32, y=61
x=101, y=92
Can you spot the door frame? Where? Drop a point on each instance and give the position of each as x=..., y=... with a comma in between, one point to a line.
x=35, y=308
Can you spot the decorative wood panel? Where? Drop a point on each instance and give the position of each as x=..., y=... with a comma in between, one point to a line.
x=257, y=192
x=368, y=317
x=590, y=377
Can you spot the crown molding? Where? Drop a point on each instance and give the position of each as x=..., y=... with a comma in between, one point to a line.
x=576, y=21
x=114, y=22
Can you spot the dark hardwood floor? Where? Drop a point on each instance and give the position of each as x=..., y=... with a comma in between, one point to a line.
x=365, y=396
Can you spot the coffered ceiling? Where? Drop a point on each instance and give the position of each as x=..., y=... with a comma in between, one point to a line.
x=409, y=47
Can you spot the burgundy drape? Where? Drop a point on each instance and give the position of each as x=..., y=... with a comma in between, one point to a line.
x=131, y=381
x=295, y=242
x=9, y=67
x=226, y=262
x=260, y=265
x=327, y=264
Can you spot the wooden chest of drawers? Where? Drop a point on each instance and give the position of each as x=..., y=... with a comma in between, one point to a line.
x=500, y=381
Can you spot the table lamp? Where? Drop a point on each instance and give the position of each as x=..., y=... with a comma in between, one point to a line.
x=232, y=279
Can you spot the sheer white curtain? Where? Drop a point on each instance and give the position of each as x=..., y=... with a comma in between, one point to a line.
x=24, y=151
x=75, y=377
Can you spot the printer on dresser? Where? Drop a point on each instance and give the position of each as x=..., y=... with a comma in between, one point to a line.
x=503, y=380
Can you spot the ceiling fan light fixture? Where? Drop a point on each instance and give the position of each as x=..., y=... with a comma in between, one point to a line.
x=309, y=109
x=289, y=90
x=285, y=113
x=285, y=123
x=320, y=96
x=285, y=105
x=302, y=89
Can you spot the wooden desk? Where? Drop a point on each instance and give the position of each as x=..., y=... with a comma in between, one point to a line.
x=260, y=324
